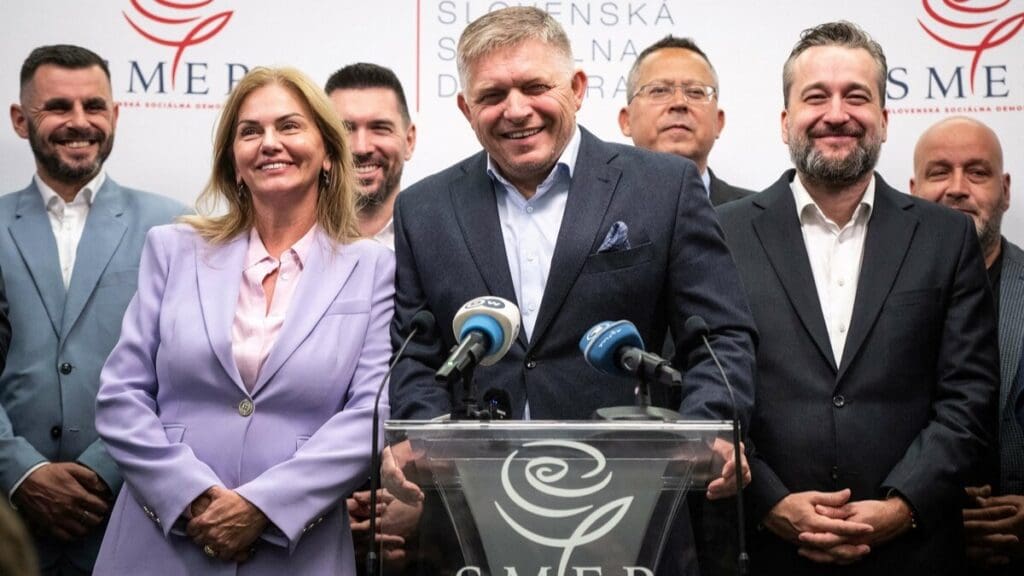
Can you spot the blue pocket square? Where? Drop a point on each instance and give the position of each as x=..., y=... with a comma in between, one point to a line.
x=616, y=239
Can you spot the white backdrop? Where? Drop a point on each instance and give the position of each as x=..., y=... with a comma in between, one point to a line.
x=167, y=113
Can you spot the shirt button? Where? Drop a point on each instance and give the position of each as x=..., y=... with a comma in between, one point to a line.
x=245, y=408
x=285, y=276
x=529, y=209
x=530, y=257
x=66, y=368
x=55, y=432
x=838, y=401
x=835, y=472
x=842, y=328
x=841, y=282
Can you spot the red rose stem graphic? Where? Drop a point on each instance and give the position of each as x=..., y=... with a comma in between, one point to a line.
x=196, y=29
x=998, y=31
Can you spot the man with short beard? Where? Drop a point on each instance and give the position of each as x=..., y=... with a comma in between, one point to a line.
x=877, y=370
x=70, y=244
x=958, y=162
x=370, y=100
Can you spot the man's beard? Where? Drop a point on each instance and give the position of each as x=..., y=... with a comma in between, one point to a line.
x=371, y=200
x=812, y=163
x=989, y=231
x=49, y=158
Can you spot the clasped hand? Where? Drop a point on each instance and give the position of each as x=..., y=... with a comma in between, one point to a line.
x=224, y=523
x=828, y=528
x=994, y=527
x=64, y=500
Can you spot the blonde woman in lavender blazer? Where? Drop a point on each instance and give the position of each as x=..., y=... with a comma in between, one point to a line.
x=237, y=462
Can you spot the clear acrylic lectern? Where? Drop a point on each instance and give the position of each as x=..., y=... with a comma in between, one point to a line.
x=550, y=498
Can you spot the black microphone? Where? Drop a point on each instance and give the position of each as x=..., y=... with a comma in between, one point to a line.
x=496, y=404
x=697, y=325
x=486, y=328
x=422, y=323
x=616, y=349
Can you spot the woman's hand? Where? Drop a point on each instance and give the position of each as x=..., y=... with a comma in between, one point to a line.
x=228, y=526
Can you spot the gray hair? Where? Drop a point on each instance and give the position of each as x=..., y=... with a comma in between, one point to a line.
x=506, y=28
x=844, y=34
x=665, y=43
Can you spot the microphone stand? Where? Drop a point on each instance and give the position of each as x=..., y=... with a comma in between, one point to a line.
x=743, y=559
x=372, y=560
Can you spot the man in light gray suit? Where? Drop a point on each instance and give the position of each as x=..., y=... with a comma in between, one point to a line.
x=69, y=248
x=959, y=162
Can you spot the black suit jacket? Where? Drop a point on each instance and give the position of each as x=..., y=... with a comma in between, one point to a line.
x=722, y=192
x=449, y=250
x=911, y=405
x=5, y=325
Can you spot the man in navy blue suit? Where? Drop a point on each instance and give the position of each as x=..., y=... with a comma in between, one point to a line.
x=529, y=219
x=575, y=231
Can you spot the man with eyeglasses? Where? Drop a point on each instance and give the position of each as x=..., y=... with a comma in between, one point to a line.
x=673, y=107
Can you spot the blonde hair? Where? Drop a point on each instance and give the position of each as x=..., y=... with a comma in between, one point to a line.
x=510, y=27
x=335, y=205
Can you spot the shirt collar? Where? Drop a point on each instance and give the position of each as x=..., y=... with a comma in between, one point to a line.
x=805, y=205
x=257, y=252
x=566, y=162
x=86, y=195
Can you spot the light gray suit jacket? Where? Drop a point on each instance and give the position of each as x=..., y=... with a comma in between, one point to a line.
x=62, y=337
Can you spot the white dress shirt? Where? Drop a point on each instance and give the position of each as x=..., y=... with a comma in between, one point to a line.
x=836, y=255
x=67, y=219
x=530, y=229
x=386, y=235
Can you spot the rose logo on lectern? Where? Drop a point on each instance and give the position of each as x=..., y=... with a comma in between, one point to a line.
x=181, y=30
x=969, y=26
x=543, y=474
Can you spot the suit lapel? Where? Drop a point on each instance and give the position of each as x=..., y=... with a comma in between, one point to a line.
x=219, y=276
x=100, y=238
x=323, y=277
x=475, y=205
x=33, y=235
x=590, y=193
x=1011, y=322
x=888, y=239
x=778, y=228
x=716, y=194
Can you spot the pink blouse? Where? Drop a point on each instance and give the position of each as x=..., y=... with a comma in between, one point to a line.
x=256, y=325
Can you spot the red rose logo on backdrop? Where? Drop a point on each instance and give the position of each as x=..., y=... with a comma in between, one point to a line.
x=178, y=25
x=971, y=26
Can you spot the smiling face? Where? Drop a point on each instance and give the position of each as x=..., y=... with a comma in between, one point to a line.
x=521, y=101
x=278, y=150
x=677, y=126
x=381, y=140
x=68, y=116
x=959, y=163
x=834, y=123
